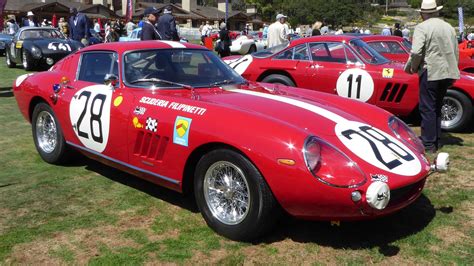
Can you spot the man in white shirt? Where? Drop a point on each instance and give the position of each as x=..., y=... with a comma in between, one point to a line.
x=130, y=26
x=30, y=20
x=278, y=31
x=206, y=31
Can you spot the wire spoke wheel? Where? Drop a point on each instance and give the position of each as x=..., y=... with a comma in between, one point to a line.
x=46, y=129
x=226, y=192
x=451, y=112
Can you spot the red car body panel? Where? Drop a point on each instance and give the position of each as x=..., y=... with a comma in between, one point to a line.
x=262, y=121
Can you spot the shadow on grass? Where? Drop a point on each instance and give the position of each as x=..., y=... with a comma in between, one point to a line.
x=156, y=191
x=379, y=233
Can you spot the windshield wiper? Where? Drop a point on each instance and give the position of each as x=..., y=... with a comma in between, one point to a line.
x=156, y=80
x=222, y=82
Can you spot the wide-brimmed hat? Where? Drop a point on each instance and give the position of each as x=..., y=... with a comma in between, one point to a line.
x=279, y=16
x=29, y=14
x=429, y=6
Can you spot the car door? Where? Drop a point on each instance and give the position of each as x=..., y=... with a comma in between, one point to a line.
x=336, y=69
x=295, y=61
x=98, y=112
x=14, y=51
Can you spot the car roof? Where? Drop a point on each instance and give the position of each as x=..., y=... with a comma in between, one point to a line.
x=141, y=45
x=380, y=38
x=324, y=38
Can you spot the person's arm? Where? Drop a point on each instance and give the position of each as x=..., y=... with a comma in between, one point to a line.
x=147, y=34
x=174, y=31
x=417, y=49
x=283, y=33
x=455, y=44
x=86, y=27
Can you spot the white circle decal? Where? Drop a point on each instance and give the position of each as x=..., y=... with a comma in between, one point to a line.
x=355, y=83
x=378, y=148
x=90, y=116
x=241, y=64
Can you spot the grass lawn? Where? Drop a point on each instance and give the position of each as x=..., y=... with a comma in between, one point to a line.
x=87, y=213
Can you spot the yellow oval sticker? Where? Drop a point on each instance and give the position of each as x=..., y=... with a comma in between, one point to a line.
x=118, y=101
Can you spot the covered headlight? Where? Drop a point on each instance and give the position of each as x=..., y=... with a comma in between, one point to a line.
x=36, y=52
x=405, y=134
x=330, y=166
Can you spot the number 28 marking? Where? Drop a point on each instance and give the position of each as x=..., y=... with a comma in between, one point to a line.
x=94, y=117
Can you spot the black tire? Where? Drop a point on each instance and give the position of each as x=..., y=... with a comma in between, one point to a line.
x=27, y=60
x=8, y=60
x=469, y=70
x=56, y=154
x=459, y=103
x=279, y=79
x=262, y=211
x=252, y=49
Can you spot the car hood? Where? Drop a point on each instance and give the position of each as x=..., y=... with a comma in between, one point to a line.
x=313, y=111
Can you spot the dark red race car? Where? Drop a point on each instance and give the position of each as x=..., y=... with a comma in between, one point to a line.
x=175, y=114
x=398, y=49
x=347, y=66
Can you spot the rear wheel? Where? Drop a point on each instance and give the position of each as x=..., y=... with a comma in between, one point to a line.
x=252, y=49
x=233, y=197
x=279, y=79
x=47, y=135
x=456, y=112
x=27, y=60
x=8, y=60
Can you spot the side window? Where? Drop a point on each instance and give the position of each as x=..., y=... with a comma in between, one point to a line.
x=94, y=66
x=395, y=48
x=380, y=47
x=332, y=52
x=299, y=52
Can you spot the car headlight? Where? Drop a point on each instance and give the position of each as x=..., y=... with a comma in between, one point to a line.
x=405, y=134
x=36, y=52
x=331, y=166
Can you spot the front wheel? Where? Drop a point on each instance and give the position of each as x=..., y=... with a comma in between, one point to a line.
x=233, y=197
x=47, y=135
x=279, y=79
x=8, y=60
x=28, y=63
x=252, y=49
x=456, y=112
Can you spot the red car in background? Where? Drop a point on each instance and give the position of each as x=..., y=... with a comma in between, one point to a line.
x=398, y=49
x=457, y=107
x=174, y=114
x=346, y=66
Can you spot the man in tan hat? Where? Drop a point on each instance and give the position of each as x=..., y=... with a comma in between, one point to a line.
x=278, y=31
x=434, y=57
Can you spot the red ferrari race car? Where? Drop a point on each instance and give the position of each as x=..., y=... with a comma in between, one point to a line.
x=176, y=115
x=398, y=49
x=347, y=66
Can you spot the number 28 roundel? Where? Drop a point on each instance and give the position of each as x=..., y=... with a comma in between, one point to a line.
x=90, y=116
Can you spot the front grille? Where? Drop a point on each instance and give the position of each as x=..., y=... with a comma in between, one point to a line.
x=404, y=193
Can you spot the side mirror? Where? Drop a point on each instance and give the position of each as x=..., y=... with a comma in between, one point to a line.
x=111, y=80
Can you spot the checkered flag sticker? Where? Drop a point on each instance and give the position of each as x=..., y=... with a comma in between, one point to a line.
x=151, y=124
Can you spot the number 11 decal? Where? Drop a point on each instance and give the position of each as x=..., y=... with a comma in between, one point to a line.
x=355, y=83
x=89, y=112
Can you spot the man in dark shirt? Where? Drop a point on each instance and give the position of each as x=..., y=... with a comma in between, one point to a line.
x=397, y=31
x=167, y=26
x=149, y=31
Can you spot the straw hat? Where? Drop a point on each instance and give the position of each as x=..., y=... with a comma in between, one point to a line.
x=429, y=6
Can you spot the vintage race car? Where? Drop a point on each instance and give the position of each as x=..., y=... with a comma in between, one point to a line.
x=244, y=44
x=458, y=103
x=398, y=49
x=176, y=115
x=347, y=66
x=38, y=47
x=4, y=39
x=134, y=36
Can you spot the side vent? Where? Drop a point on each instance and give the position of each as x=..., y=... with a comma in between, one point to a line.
x=393, y=92
x=150, y=146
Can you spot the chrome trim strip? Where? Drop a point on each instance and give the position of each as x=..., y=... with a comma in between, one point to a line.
x=124, y=164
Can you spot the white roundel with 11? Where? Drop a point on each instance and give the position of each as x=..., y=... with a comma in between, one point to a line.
x=355, y=83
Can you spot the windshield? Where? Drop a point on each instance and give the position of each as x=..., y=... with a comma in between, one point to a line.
x=271, y=51
x=41, y=33
x=407, y=44
x=183, y=67
x=367, y=53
